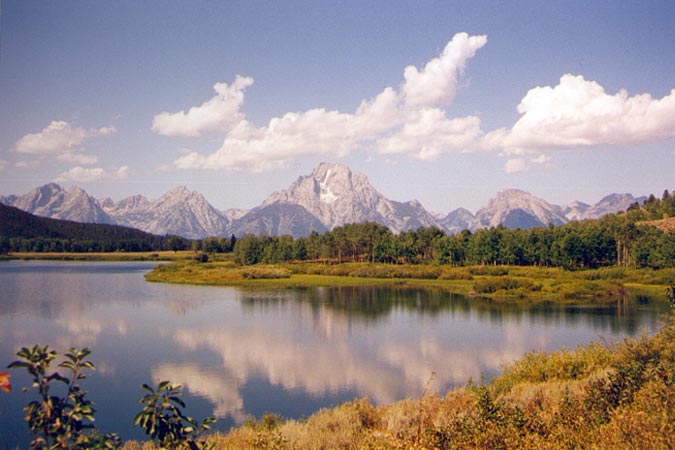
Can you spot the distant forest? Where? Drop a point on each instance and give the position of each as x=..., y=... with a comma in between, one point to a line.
x=643, y=236
x=24, y=232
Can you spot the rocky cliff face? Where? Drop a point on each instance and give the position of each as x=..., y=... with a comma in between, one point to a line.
x=330, y=196
x=611, y=204
x=514, y=208
x=277, y=219
x=456, y=221
x=337, y=196
x=53, y=201
x=575, y=210
x=180, y=211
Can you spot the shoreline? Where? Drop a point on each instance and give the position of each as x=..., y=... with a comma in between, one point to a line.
x=496, y=283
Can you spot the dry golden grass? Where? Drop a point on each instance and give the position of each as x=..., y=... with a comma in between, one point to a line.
x=596, y=397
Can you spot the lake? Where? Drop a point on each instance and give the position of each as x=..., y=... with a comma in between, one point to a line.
x=242, y=353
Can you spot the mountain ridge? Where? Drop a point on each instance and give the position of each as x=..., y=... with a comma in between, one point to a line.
x=330, y=196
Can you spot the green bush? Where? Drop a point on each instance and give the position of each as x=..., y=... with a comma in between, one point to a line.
x=507, y=284
x=264, y=273
x=163, y=420
x=61, y=421
x=494, y=271
x=394, y=271
x=455, y=274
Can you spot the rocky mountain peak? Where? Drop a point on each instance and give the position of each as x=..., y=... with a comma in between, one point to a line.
x=330, y=195
x=179, y=192
x=515, y=208
x=337, y=196
x=51, y=200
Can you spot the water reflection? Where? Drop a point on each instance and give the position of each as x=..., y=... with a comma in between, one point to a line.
x=239, y=352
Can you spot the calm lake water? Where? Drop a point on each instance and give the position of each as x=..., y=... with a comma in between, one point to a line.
x=242, y=353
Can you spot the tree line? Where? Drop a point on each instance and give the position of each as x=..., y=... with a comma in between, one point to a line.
x=24, y=232
x=616, y=239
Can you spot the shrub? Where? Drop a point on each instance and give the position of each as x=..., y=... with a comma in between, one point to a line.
x=507, y=284
x=393, y=271
x=494, y=271
x=61, y=421
x=455, y=274
x=201, y=257
x=163, y=420
x=262, y=273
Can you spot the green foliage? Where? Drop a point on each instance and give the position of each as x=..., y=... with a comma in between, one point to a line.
x=505, y=285
x=60, y=421
x=623, y=240
x=396, y=271
x=264, y=273
x=163, y=420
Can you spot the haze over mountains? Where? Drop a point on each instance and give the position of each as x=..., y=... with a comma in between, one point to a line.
x=332, y=195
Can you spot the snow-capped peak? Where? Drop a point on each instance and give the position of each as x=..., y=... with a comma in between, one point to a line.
x=327, y=196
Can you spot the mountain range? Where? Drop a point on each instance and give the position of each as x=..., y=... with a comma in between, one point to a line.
x=330, y=196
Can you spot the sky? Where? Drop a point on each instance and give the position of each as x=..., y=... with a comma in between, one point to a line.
x=445, y=102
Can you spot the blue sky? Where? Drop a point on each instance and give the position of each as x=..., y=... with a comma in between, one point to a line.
x=443, y=102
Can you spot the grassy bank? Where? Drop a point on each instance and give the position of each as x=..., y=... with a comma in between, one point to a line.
x=107, y=256
x=496, y=282
x=602, y=396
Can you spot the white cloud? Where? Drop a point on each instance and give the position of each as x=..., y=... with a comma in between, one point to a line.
x=429, y=133
x=410, y=121
x=394, y=122
x=314, y=132
x=3, y=164
x=122, y=172
x=221, y=113
x=516, y=165
x=62, y=140
x=87, y=175
x=58, y=137
x=105, y=131
x=81, y=174
x=542, y=159
x=579, y=113
x=78, y=158
x=436, y=83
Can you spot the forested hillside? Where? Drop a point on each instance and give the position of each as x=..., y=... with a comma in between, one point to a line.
x=24, y=232
x=625, y=239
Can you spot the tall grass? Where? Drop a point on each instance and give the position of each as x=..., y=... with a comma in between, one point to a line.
x=598, y=396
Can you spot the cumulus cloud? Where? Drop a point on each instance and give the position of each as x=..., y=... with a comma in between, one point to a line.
x=429, y=133
x=62, y=140
x=87, y=175
x=579, y=113
x=220, y=113
x=411, y=121
x=516, y=165
x=436, y=83
x=403, y=122
x=3, y=164
x=57, y=137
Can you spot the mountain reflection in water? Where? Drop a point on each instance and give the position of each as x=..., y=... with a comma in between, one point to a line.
x=246, y=352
